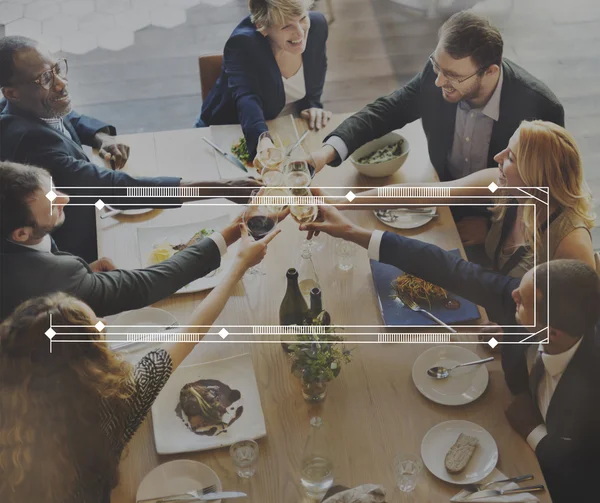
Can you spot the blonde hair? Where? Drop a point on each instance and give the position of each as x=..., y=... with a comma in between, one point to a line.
x=547, y=156
x=50, y=431
x=267, y=13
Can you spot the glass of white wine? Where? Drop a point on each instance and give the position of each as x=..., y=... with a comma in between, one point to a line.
x=270, y=157
x=304, y=213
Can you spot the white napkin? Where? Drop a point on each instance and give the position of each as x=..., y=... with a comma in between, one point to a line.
x=509, y=498
x=368, y=493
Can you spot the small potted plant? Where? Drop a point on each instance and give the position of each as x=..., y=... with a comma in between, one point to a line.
x=317, y=358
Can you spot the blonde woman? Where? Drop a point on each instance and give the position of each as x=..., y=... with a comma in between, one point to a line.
x=66, y=416
x=274, y=63
x=539, y=154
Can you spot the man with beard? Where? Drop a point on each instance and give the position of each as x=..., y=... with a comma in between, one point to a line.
x=469, y=98
x=39, y=127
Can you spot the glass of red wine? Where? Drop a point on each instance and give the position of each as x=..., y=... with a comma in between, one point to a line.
x=260, y=218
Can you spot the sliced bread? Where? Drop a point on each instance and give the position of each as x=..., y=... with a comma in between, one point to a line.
x=460, y=453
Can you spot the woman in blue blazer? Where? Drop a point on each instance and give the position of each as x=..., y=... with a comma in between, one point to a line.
x=274, y=63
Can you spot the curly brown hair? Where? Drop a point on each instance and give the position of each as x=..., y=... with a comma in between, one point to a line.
x=50, y=403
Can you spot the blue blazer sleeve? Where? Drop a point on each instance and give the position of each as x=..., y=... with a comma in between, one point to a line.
x=471, y=281
x=87, y=127
x=244, y=86
x=315, y=62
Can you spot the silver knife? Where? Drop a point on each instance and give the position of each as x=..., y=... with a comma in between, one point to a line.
x=295, y=145
x=489, y=493
x=187, y=498
x=230, y=157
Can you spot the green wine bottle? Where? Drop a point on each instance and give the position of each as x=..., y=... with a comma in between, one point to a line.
x=316, y=315
x=293, y=308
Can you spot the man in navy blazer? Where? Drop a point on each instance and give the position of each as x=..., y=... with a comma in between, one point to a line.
x=39, y=127
x=250, y=89
x=557, y=404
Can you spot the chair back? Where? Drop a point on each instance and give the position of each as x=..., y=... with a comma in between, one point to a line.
x=210, y=69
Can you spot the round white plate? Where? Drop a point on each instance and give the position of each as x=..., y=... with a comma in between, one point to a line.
x=441, y=437
x=464, y=385
x=177, y=477
x=407, y=220
x=131, y=211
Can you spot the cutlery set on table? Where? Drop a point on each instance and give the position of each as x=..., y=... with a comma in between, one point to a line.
x=204, y=494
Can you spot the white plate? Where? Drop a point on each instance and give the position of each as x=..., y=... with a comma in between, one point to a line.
x=171, y=433
x=149, y=237
x=177, y=477
x=147, y=319
x=463, y=386
x=441, y=437
x=407, y=220
x=131, y=211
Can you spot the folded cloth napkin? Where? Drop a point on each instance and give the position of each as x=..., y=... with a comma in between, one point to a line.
x=368, y=493
x=509, y=498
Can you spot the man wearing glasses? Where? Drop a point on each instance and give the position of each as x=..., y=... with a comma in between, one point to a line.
x=469, y=98
x=39, y=127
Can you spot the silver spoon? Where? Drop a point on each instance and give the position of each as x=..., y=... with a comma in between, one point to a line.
x=443, y=372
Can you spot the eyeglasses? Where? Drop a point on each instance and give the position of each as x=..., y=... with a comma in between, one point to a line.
x=453, y=80
x=46, y=79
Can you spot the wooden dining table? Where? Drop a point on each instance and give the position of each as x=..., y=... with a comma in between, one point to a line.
x=373, y=409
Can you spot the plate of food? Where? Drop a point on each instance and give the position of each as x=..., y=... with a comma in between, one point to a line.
x=139, y=321
x=157, y=244
x=464, y=385
x=391, y=284
x=406, y=218
x=208, y=406
x=126, y=211
x=459, y=452
x=177, y=477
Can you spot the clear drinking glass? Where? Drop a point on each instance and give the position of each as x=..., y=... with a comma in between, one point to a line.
x=345, y=252
x=304, y=214
x=260, y=219
x=407, y=468
x=270, y=157
x=244, y=455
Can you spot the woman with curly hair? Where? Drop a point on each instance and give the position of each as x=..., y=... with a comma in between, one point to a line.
x=539, y=154
x=66, y=416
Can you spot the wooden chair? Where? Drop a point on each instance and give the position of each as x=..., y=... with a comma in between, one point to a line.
x=210, y=69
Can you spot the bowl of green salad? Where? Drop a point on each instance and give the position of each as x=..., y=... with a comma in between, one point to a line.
x=381, y=157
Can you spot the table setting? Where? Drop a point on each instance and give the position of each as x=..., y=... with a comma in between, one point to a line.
x=389, y=424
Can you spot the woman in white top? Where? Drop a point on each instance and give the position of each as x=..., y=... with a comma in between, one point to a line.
x=274, y=63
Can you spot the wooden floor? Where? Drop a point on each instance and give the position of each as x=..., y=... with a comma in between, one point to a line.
x=374, y=47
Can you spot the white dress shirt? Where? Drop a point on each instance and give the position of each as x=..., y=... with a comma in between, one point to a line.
x=554, y=368
x=295, y=90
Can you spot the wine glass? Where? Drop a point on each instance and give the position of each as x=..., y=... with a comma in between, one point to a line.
x=297, y=175
x=260, y=219
x=270, y=157
x=304, y=213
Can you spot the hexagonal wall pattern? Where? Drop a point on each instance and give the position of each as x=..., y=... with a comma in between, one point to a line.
x=80, y=26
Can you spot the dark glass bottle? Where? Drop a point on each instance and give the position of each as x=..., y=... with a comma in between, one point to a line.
x=293, y=308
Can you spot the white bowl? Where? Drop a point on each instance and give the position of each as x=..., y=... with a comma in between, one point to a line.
x=380, y=169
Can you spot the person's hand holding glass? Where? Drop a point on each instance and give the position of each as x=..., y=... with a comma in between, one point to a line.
x=260, y=219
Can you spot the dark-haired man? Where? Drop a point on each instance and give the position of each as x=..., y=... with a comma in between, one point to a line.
x=32, y=265
x=470, y=99
x=39, y=127
x=557, y=407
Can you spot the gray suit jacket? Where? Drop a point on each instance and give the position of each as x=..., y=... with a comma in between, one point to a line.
x=28, y=273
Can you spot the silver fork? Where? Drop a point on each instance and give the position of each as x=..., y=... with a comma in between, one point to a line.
x=413, y=306
x=482, y=487
x=186, y=496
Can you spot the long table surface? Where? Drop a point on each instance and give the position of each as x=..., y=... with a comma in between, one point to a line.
x=374, y=408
